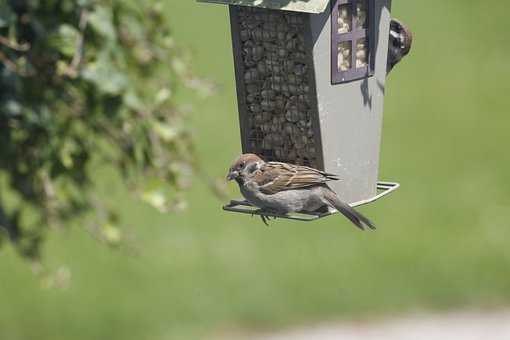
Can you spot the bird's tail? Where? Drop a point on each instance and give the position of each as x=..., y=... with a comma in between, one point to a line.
x=355, y=217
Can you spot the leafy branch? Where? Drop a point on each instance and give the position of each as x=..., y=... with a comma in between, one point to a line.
x=85, y=81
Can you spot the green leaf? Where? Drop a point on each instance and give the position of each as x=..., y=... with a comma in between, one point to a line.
x=162, y=95
x=157, y=199
x=65, y=40
x=7, y=16
x=101, y=20
x=133, y=101
x=84, y=3
x=12, y=107
x=166, y=132
x=106, y=76
x=66, y=153
x=111, y=234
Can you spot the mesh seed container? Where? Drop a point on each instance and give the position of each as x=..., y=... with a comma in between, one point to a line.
x=310, y=79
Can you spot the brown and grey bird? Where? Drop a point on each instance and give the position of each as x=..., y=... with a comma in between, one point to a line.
x=400, y=43
x=282, y=188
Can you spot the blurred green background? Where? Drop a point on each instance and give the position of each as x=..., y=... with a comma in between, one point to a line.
x=442, y=240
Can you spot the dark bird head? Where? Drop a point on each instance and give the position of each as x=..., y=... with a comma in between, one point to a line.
x=400, y=42
x=244, y=165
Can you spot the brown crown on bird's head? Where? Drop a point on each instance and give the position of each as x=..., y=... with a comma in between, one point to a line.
x=240, y=163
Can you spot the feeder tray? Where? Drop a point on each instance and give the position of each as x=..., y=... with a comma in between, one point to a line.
x=244, y=207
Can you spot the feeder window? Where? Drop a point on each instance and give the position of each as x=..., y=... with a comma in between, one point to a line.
x=350, y=40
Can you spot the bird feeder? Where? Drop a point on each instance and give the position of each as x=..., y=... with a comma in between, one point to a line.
x=310, y=77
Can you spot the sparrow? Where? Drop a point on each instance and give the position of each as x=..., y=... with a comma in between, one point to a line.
x=281, y=188
x=399, y=45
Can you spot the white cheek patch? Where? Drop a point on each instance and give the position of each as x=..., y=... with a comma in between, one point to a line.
x=252, y=168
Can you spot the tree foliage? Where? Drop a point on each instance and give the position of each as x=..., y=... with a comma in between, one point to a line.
x=84, y=80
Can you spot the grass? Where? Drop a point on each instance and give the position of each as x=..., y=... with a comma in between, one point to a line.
x=441, y=242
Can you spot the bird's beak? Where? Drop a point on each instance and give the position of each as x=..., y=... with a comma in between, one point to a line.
x=232, y=175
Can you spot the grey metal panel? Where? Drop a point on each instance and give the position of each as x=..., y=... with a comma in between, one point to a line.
x=314, y=104
x=307, y=6
x=350, y=114
x=239, y=72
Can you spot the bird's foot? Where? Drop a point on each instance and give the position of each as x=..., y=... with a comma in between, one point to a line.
x=263, y=215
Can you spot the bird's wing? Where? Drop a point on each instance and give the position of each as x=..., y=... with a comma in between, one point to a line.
x=274, y=177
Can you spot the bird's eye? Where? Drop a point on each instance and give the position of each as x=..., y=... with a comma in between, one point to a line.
x=242, y=165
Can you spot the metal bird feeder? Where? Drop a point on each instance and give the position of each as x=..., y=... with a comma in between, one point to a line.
x=310, y=77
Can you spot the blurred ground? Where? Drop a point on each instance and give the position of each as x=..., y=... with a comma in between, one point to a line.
x=451, y=326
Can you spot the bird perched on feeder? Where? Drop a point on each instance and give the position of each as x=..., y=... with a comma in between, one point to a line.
x=400, y=43
x=281, y=188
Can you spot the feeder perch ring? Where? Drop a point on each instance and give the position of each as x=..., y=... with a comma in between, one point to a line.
x=244, y=207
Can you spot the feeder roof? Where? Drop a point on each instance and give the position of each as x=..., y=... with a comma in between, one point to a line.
x=307, y=6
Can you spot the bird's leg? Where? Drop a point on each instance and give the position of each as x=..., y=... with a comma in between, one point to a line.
x=264, y=219
x=263, y=216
